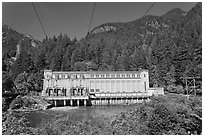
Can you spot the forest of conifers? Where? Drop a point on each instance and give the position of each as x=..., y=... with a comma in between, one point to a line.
x=169, y=46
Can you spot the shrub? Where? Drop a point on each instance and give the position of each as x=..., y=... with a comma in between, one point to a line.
x=175, y=89
x=171, y=89
x=180, y=89
x=16, y=103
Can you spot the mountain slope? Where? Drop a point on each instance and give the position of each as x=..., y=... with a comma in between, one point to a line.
x=158, y=43
x=14, y=43
x=11, y=40
x=169, y=46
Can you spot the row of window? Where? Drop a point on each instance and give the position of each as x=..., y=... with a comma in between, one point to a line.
x=80, y=76
x=98, y=90
x=65, y=76
x=114, y=81
x=114, y=75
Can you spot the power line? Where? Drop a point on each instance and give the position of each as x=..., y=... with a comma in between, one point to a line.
x=39, y=19
x=149, y=9
x=92, y=16
x=40, y=14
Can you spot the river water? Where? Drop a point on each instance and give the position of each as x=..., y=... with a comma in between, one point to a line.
x=35, y=118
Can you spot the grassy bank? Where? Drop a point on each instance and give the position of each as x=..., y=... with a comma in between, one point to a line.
x=169, y=114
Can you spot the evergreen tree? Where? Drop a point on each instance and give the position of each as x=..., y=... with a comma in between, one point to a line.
x=23, y=63
x=40, y=62
x=7, y=82
x=170, y=76
x=35, y=80
x=21, y=83
x=154, y=76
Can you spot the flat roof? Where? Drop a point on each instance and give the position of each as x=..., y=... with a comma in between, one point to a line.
x=96, y=72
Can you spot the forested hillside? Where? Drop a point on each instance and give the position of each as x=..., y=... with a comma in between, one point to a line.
x=169, y=46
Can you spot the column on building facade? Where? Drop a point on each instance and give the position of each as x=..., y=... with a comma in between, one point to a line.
x=102, y=102
x=126, y=86
x=67, y=91
x=55, y=102
x=64, y=102
x=84, y=102
x=87, y=84
x=132, y=85
x=97, y=102
x=110, y=87
x=71, y=102
x=51, y=83
x=141, y=85
x=120, y=83
x=137, y=85
x=100, y=83
x=94, y=84
x=106, y=83
x=77, y=102
x=115, y=85
x=90, y=85
x=70, y=86
x=104, y=86
x=73, y=82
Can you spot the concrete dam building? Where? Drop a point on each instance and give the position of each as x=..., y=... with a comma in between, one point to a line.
x=96, y=87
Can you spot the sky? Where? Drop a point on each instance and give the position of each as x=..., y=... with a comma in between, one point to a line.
x=74, y=18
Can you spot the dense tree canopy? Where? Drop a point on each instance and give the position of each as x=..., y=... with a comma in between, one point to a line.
x=169, y=46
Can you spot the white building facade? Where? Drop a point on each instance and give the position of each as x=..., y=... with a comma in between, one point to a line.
x=61, y=83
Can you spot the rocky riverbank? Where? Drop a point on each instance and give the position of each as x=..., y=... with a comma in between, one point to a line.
x=28, y=103
x=12, y=118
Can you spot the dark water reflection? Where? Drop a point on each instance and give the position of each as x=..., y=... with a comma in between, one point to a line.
x=76, y=114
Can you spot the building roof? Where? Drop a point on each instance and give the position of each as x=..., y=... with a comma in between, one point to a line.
x=97, y=72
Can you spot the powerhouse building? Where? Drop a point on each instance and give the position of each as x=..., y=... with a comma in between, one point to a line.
x=61, y=83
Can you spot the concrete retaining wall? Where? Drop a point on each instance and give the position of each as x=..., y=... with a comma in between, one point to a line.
x=155, y=91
